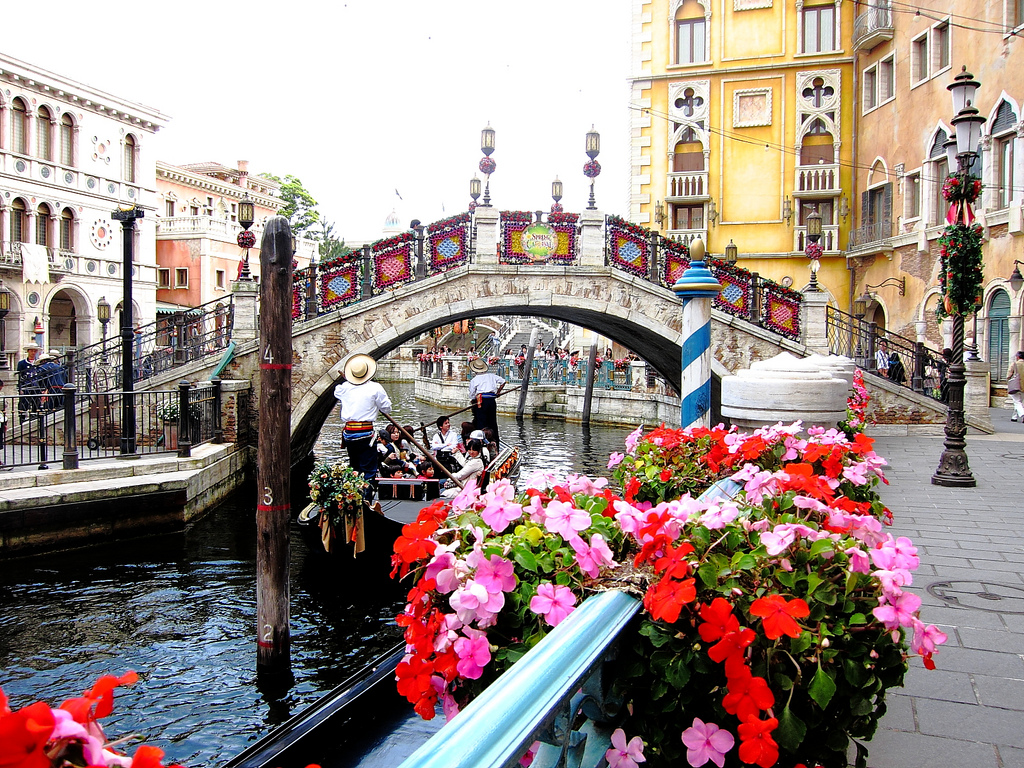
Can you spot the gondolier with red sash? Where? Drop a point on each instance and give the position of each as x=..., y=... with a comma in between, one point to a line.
x=484, y=387
x=361, y=400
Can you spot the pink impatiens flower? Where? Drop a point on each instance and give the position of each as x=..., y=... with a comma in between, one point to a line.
x=590, y=559
x=474, y=653
x=553, y=602
x=615, y=459
x=633, y=438
x=926, y=638
x=565, y=519
x=500, y=510
x=706, y=741
x=899, y=611
x=622, y=754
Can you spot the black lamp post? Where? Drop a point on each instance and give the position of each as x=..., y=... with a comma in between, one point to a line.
x=5, y=307
x=1016, y=279
x=813, y=250
x=487, y=164
x=127, y=219
x=860, y=308
x=474, y=191
x=246, y=217
x=954, y=469
x=592, y=168
x=556, y=195
x=103, y=314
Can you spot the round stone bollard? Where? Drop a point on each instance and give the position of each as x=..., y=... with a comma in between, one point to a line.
x=840, y=366
x=787, y=389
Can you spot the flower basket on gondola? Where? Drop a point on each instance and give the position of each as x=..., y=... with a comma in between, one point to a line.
x=338, y=490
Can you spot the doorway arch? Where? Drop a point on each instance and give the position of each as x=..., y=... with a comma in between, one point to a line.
x=998, y=335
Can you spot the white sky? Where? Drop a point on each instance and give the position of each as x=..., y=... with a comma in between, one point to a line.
x=364, y=97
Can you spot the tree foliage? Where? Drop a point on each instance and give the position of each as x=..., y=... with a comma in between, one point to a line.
x=300, y=205
x=330, y=246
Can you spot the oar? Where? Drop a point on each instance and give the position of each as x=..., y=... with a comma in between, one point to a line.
x=503, y=392
x=423, y=450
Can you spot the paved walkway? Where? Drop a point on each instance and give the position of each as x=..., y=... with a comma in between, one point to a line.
x=969, y=712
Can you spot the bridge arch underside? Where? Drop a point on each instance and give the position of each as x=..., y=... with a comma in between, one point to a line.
x=639, y=315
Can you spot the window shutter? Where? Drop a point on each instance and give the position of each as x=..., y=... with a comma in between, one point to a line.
x=937, y=149
x=1005, y=119
x=887, y=203
x=865, y=209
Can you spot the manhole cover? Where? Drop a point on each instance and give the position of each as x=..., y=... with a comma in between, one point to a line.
x=980, y=595
x=1014, y=456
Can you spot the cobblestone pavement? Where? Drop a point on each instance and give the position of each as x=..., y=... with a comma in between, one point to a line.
x=969, y=712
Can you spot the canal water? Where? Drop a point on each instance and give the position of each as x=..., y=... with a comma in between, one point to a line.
x=179, y=609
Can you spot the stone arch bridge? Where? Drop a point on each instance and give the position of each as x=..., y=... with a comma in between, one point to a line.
x=641, y=315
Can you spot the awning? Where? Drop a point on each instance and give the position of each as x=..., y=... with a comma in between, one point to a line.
x=162, y=308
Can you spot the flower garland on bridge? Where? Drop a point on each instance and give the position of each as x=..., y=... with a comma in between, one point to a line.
x=774, y=620
x=392, y=260
x=448, y=240
x=629, y=246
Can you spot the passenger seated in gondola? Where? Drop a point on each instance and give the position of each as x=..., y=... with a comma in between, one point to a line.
x=425, y=470
x=389, y=453
x=445, y=444
x=473, y=469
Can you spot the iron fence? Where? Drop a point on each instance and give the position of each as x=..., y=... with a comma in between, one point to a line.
x=60, y=429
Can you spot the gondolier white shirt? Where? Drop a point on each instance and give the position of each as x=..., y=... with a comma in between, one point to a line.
x=485, y=383
x=362, y=402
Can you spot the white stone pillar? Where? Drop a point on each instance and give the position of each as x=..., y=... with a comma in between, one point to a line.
x=812, y=321
x=1013, y=326
x=592, y=239
x=246, y=321
x=487, y=233
x=977, y=398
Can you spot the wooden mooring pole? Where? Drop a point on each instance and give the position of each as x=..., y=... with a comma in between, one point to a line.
x=273, y=506
x=588, y=393
x=527, y=373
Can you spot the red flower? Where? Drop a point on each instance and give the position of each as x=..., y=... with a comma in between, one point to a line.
x=414, y=683
x=631, y=489
x=747, y=696
x=757, y=746
x=23, y=736
x=731, y=646
x=718, y=620
x=666, y=599
x=665, y=475
x=674, y=564
x=97, y=702
x=414, y=544
x=778, y=615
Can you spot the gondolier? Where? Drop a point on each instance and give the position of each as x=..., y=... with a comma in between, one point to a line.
x=484, y=387
x=361, y=400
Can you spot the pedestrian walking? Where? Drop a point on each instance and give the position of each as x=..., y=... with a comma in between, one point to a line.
x=484, y=387
x=882, y=358
x=1013, y=380
x=361, y=400
x=28, y=383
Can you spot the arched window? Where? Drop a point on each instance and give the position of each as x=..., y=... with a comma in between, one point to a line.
x=999, y=335
x=19, y=127
x=129, y=158
x=1003, y=135
x=691, y=34
x=818, y=145
x=936, y=176
x=43, y=224
x=689, y=152
x=18, y=216
x=67, y=230
x=44, y=144
x=67, y=140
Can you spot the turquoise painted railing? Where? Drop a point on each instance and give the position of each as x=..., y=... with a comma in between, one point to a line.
x=541, y=695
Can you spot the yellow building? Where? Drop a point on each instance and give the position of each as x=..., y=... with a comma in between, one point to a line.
x=904, y=63
x=742, y=126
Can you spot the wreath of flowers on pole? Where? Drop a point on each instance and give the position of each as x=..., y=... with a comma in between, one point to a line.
x=776, y=618
x=487, y=165
x=592, y=169
x=960, y=270
x=246, y=239
x=339, y=491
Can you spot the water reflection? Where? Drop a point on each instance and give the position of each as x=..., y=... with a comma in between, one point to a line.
x=180, y=610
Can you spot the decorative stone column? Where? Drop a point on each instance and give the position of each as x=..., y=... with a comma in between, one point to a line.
x=812, y=321
x=246, y=321
x=1013, y=326
x=977, y=398
x=696, y=287
x=488, y=231
x=592, y=239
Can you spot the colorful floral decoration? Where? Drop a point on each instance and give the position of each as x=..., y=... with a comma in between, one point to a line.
x=338, y=280
x=774, y=618
x=814, y=251
x=392, y=261
x=856, y=407
x=780, y=309
x=339, y=492
x=556, y=208
x=300, y=279
x=448, y=241
x=737, y=294
x=592, y=169
x=69, y=736
x=676, y=259
x=961, y=269
x=961, y=195
x=514, y=223
x=487, y=165
x=246, y=239
x=629, y=246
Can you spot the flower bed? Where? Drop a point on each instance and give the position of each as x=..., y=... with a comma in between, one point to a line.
x=774, y=621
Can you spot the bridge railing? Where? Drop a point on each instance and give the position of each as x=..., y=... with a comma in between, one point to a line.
x=451, y=243
x=923, y=368
x=171, y=341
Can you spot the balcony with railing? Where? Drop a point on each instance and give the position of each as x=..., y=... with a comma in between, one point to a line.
x=687, y=236
x=874, y=236
x=821, y=180
x=176, y=227
x=872, y=27
x=829, y=238
x=11, y=257
x=687, y=185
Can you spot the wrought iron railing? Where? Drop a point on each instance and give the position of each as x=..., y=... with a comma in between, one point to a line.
x=169, y=342
x=909, y=363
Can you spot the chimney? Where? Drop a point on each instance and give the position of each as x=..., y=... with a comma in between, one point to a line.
x=243, y=173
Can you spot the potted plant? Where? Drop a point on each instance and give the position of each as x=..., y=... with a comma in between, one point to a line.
x=168, y=412
x=774, y=621
x=339, y=492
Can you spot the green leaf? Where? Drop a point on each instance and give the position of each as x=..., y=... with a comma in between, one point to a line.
x=707, y=574
x=822, y=545
x=855, y=672
x=657, y=635
x=800, y=644
x=822, y=688
x=677, y=672
x=813, y=582
x=525, y=558
x=742, y=561
x=857, y=619
x=791, y=731
x=786, y=578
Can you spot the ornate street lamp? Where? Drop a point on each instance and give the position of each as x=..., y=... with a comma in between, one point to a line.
x=474, y=191
x=732, y=253
x=103, y=314
x=556, y=195
x=1016, y=279
x=593, y=168
x=246, y=239
x=961, y=263
x=127, y=217
x=487, y=164
x=659, y=213
x=814, y=250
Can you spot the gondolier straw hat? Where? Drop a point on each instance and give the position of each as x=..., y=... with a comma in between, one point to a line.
x=478, y=366
x=360, y=368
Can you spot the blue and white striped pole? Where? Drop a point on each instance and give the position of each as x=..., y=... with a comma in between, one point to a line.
x=696, y=287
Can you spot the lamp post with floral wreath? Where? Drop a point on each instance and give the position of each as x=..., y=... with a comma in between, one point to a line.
x=487, y=164
x=592, y=169
x=960, y=274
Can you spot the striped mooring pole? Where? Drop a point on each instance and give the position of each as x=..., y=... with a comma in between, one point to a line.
x=696, y=287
